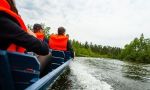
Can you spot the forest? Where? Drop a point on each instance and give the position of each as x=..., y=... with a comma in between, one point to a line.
x=137, y=50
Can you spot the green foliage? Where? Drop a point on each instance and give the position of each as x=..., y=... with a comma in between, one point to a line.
x=90, y=50
x=46, y=30
x=137, y=51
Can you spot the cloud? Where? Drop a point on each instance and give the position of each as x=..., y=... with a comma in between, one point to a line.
x=106, y=22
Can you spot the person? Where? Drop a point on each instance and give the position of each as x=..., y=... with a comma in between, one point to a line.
x=61, y=41
x=67, y=35
x=14, y=35
x=39, y=32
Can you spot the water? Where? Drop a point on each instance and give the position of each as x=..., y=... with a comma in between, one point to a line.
x=104, y=74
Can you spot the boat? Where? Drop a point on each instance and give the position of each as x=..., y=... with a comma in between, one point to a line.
x=22, y=71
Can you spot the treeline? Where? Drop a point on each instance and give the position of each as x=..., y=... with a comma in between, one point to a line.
x=93, y=50
x=137, y=50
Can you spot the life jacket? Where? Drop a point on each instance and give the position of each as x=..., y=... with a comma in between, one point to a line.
x=5, y=7
x=40, y=36
x=58, y=42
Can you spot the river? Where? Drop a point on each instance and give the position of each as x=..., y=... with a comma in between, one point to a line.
x=104, y=74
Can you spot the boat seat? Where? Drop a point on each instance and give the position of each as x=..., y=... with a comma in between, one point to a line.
x=25, y=69
x=6, y=80
x=56, y=62
x=57, y=58
x=57, y=53
x=67, y=55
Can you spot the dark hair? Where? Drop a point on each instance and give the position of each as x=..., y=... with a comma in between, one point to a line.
x=37, y=27
x=67, y=35
x=61, y=30
x=12, y=6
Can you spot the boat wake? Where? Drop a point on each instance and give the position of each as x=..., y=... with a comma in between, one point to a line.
x=85, y=79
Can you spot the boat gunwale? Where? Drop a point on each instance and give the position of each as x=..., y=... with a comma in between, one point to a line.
x=47, y=78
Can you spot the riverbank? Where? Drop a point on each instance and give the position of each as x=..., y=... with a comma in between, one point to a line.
x=108, y=57
x=137, y=50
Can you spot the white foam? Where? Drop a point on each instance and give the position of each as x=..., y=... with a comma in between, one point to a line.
x=85, y=79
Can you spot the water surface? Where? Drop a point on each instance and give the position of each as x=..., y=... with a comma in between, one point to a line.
x=104, y=74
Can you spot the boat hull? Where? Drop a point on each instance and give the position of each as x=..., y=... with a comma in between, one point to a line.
x=45, y=82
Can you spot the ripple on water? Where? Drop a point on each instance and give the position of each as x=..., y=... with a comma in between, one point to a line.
x=104, y=74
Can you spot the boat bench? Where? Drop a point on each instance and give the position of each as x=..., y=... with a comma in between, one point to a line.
x=67, y=55
x=17, y=70
x=58, y=58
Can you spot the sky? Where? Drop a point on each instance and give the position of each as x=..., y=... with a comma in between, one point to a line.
x=103, y=22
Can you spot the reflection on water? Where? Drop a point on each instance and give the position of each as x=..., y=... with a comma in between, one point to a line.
x=104, y=74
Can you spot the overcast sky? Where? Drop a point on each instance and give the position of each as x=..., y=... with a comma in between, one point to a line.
x=104, y=22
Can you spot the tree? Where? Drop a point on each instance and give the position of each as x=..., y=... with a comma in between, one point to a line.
x=86, y=45
x=46, y=30
x=138, y=50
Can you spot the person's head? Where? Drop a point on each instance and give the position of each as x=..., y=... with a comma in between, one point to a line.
x=37, y=28
x=12, y=6
x=67, y=35
x=61, y=31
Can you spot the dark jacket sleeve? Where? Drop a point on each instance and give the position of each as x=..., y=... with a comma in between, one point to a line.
x=69, y=48
x=45, y=40
x=11, y=31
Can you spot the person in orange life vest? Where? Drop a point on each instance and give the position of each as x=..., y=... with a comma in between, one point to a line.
x=60, y=41
x=14, y=34
x=39, y=32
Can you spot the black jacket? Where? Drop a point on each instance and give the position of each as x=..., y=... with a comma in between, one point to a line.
x=11, y=32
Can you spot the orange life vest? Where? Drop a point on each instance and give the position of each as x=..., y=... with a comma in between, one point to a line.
x=58, y=42
x=5, y=7
x=40, y=36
